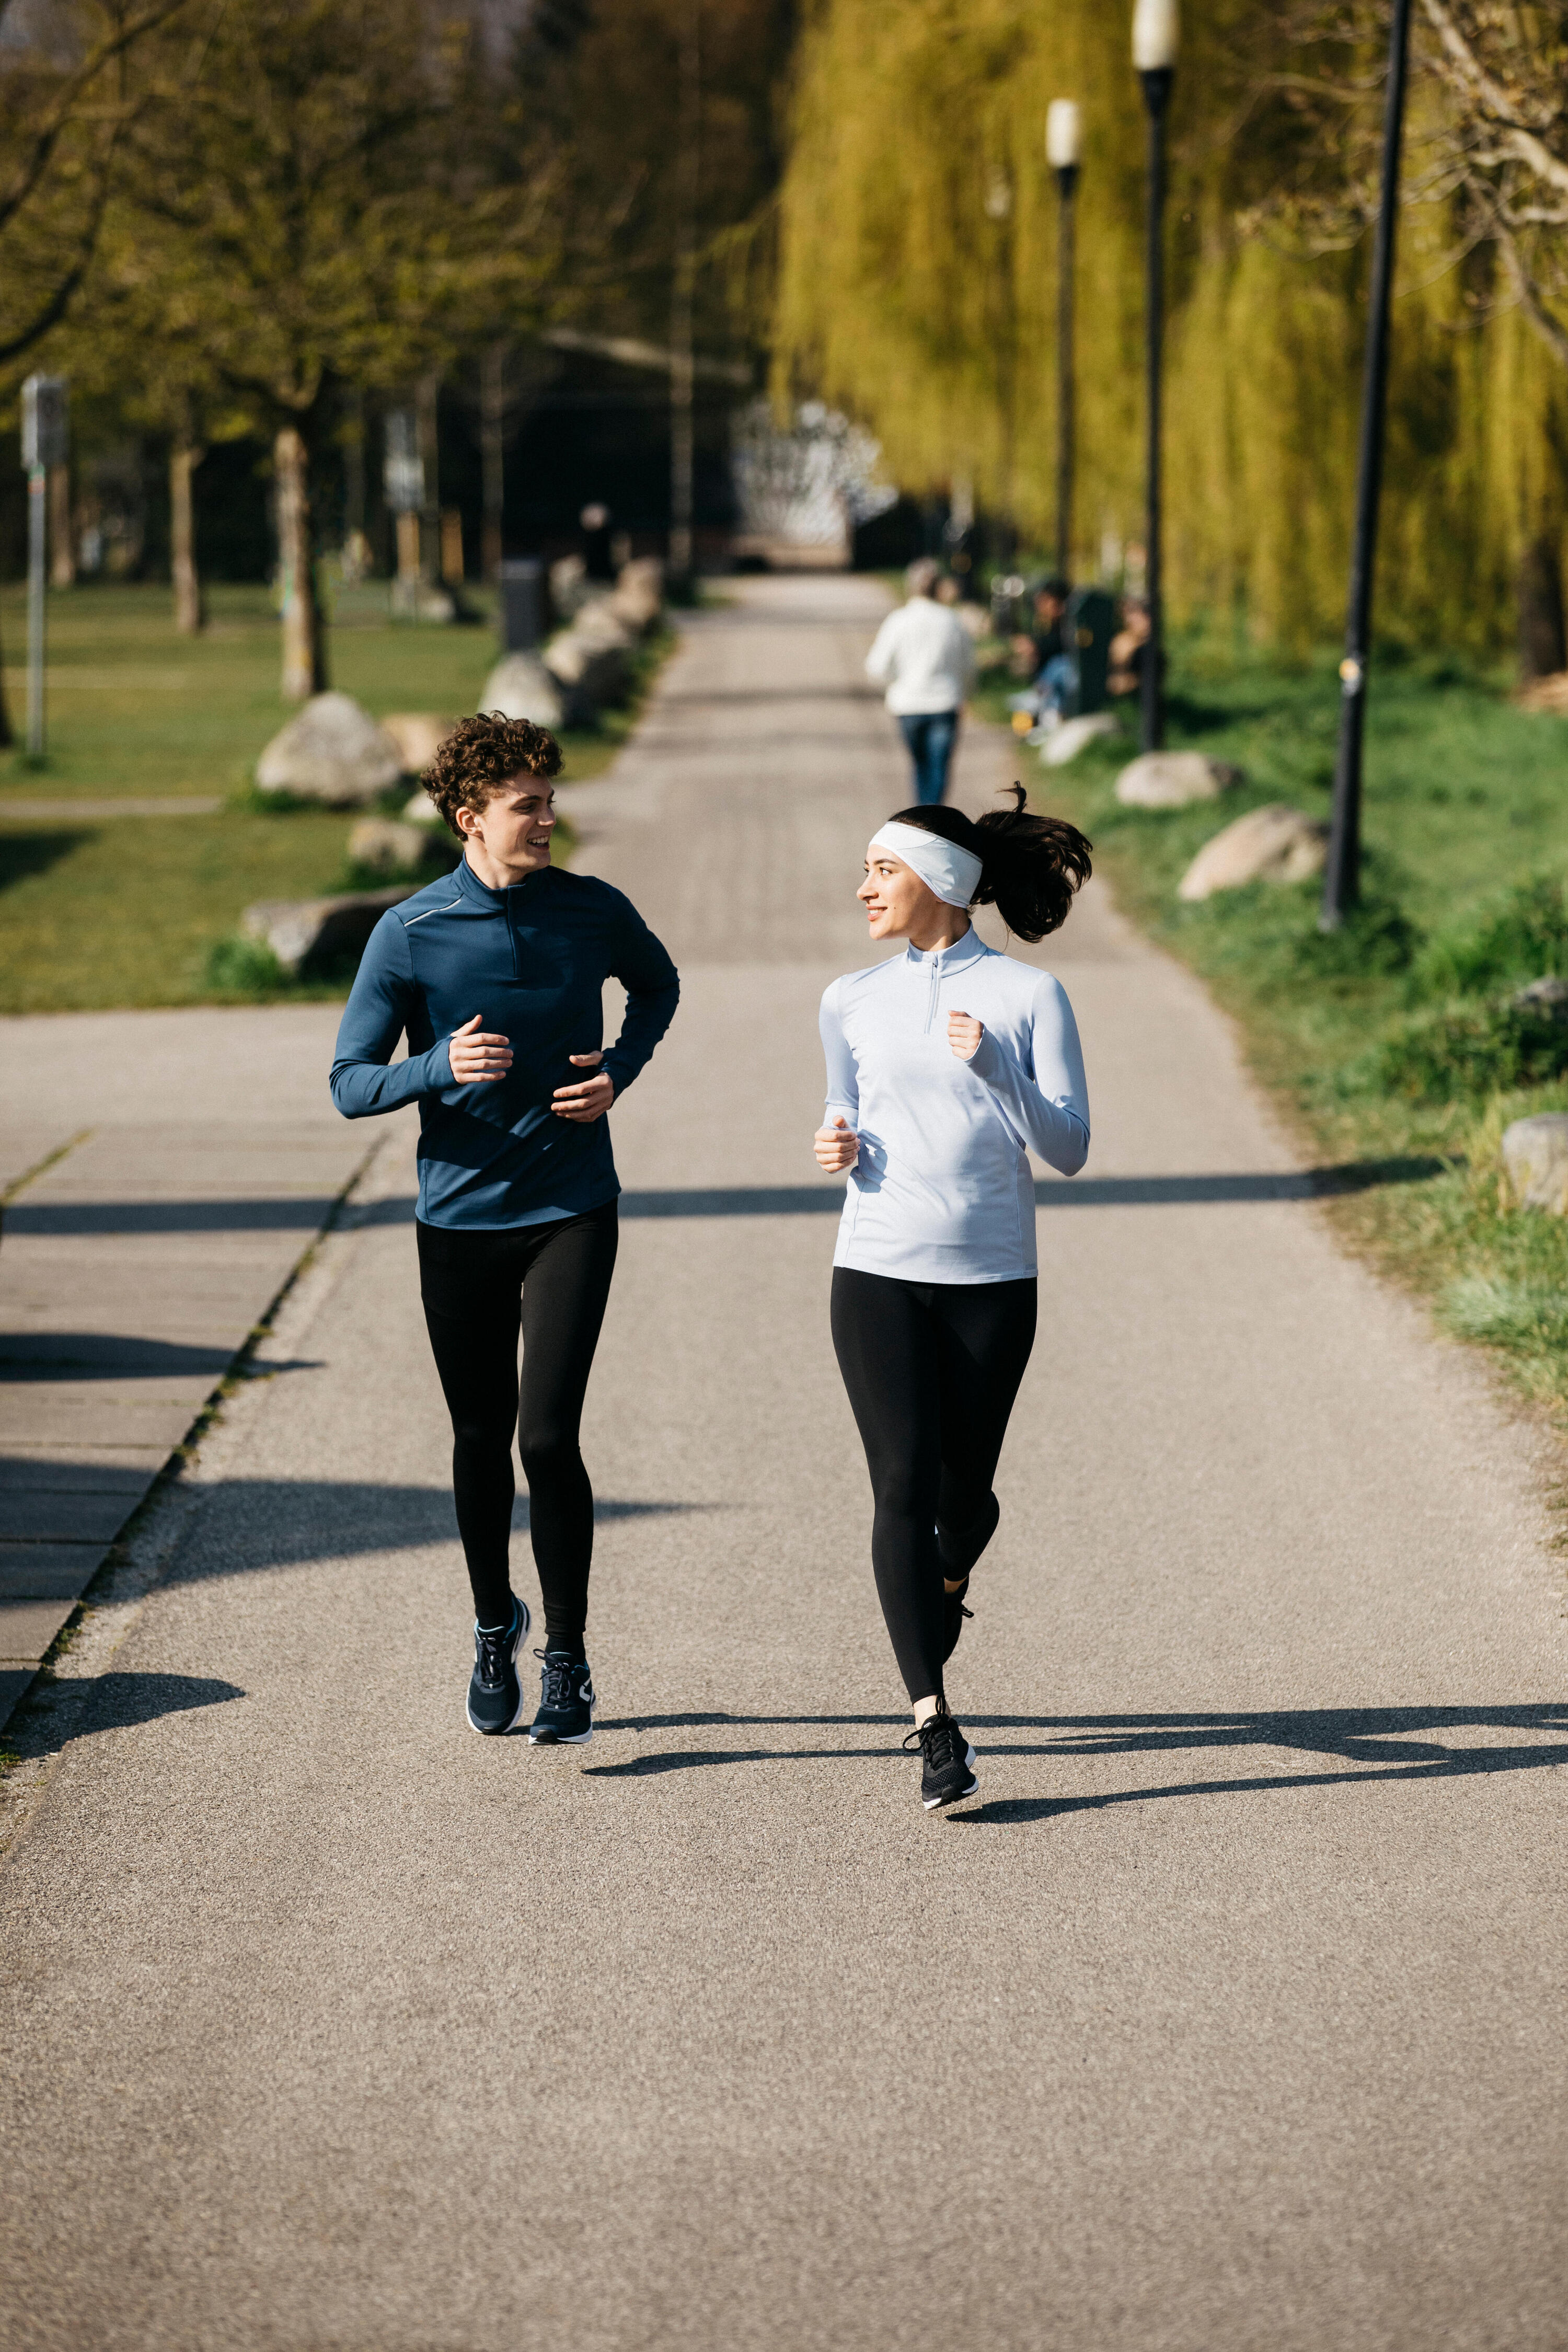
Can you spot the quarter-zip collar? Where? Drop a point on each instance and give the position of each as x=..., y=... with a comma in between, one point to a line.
x=510, y=903
x=938, y=964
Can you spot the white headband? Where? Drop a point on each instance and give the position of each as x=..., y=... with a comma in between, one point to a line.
x=953, y=873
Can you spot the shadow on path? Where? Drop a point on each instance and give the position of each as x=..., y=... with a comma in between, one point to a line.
x=1376, y=1743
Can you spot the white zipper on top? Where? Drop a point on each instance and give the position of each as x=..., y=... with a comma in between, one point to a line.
x=935, y=979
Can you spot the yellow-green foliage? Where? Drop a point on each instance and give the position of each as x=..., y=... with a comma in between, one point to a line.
x=930, y=312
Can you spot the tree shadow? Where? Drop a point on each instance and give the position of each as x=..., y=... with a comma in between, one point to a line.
x=1365, y=1744
x=62, y=1707
x=25, y=854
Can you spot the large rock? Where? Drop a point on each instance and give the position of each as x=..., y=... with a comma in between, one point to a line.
x=599, y=621
x=593, y=670
x=1548, y=997
x=1168, y=779
x=1065, y=741
x=521, y=687
x=332, y=751
x=569, y=586
x=1268, y=845
x=422, y=810
x=383, y=845
x=418, y=735
x=421, y=600
x=1535, y=1162
x=638, y=598
x=304, y=930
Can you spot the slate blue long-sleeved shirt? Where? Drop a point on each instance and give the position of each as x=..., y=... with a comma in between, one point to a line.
x=942, y=1190
x=532, y=961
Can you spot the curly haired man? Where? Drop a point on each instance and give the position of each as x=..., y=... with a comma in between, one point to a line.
x=494, y=974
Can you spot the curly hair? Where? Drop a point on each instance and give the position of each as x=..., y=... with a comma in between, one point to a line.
x=483, y=753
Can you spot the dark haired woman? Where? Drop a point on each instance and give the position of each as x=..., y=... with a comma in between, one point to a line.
x=946, y=1066
x=495, y=974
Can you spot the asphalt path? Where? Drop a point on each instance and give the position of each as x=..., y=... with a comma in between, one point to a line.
x=1230, y=2017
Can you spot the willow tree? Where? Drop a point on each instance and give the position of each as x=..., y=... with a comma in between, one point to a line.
x=312, y=208
x=918, y=213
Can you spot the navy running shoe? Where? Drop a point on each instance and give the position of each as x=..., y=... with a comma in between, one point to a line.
x=565, y=1718
x=947, y=1761
x=495, y=1694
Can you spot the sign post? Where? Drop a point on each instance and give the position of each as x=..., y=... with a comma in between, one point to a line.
x=44, y=444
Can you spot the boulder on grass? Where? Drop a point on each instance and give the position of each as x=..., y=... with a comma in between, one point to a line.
x=421, y=600
x=332, y=750
x=1535, y=1162
x=569, y=586
x=638, y=598
x=383, y=845
x=303, y=931
x=418, y=735
x=1168, y=779
x=592, y=669
x=521, y=687
x=1548, y=997
x=1065, y=741
x=422, y=810
x=1276, y=844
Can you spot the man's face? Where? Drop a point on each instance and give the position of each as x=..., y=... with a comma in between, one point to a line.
x=1049, y=608
x=514, y=827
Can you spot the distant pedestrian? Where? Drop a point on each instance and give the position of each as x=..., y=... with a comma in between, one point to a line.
x=925, y=655
x=946, y=1066
x=495, y=974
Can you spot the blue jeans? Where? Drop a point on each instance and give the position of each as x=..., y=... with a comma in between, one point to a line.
x=930, y=736
x=1056, y=682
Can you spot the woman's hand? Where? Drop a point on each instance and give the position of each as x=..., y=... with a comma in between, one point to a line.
x=837, y=1146
x=477, y=1058
x=963, y=1034
x=590, y=1098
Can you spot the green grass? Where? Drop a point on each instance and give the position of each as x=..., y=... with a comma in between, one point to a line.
x=133, y=911
x=1393, y=1043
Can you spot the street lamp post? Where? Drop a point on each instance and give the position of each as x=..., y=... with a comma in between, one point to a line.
x=1341, y=876
x=1063, y=151
x=44, y=431
x=1156, y=34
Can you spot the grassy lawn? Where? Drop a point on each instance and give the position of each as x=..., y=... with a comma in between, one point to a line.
x=126, y=911
x=1394, y=1044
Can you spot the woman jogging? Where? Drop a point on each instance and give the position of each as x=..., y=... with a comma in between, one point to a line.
x=494, y=974
x=945, y=1067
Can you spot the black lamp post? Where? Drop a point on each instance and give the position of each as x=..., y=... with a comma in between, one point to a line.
x=1341, y=877
x=1063, y=149
x=1156, y=34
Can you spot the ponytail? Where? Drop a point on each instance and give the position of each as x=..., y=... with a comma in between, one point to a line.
x=1030, y=865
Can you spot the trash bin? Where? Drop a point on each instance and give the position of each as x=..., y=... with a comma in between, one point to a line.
x=522, y=604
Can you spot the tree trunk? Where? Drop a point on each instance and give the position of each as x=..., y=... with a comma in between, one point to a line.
x=62, y=549
x=1542, y=651
x=492, y=450
x=190, y=609
x=304, y=638
x=7, y=734
x=426, y=409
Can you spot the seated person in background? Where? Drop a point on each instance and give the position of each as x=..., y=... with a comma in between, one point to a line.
x=1044, y=642
x=1129, y=648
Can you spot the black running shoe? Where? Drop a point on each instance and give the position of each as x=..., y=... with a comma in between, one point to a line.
x=954, y=1614
x=947, y=1762
x=961, y=1547
x=495, y=1694
x=565, y=1717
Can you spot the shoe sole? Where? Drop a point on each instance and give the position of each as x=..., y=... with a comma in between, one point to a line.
x=564, y=1740
x=501, y=1729
x=940, y=1804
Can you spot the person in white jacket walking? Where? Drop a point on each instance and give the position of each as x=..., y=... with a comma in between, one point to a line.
x=925, y=655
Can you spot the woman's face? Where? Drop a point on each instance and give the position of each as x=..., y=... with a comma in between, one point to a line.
x=896, y=900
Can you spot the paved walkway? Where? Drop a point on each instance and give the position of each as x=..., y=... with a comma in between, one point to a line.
x=1229, y=2020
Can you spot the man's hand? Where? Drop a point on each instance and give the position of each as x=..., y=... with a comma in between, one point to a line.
x=477, y=1058
x=837, y=1146
x=963, y=1034
x=590, y=1098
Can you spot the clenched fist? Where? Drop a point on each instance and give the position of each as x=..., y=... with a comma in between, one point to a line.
x=837, y=1146
x=963, y=1034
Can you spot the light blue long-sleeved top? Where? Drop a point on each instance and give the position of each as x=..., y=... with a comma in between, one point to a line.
x=942, y=1190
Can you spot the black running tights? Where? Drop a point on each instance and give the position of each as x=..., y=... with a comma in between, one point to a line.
x=932, y=1369
x=478, y=1286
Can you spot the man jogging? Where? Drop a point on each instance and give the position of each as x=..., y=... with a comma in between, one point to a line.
x=494, y=974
